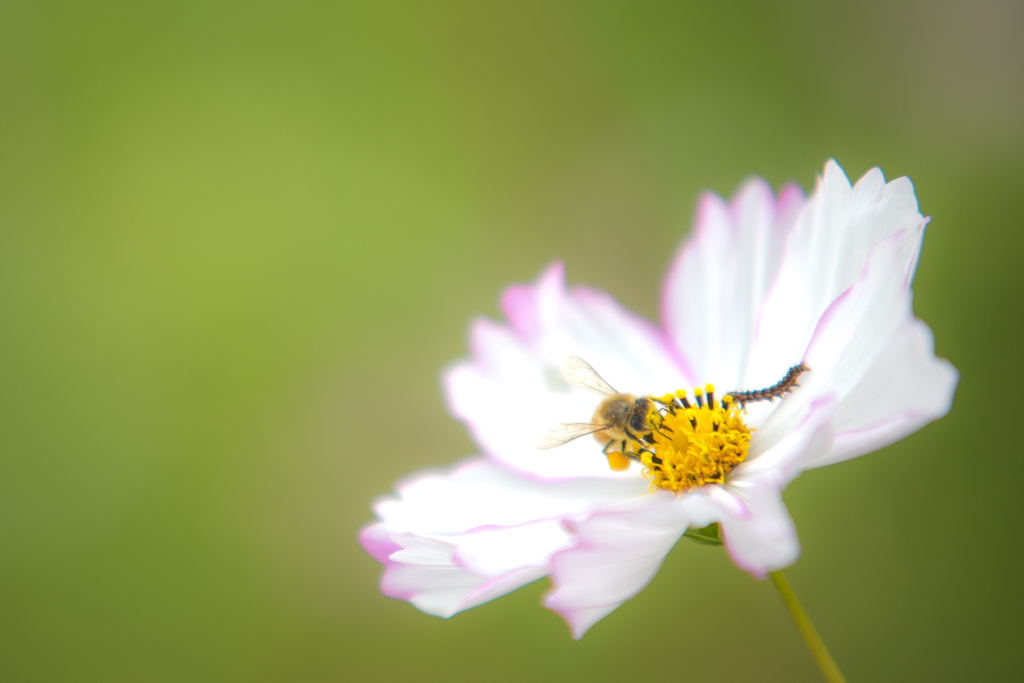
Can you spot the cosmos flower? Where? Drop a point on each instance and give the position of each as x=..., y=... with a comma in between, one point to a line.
x=761, y=285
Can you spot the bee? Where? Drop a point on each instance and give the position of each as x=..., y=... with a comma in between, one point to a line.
x=621, y=419
x=626, y=420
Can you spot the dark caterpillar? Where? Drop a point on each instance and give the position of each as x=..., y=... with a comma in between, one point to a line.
x=777, y=390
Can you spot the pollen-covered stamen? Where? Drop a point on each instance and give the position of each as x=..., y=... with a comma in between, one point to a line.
x=681, y=398
x=694, y=445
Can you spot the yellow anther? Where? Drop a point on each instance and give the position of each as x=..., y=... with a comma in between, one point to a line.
x=697, y=391
x=697, y=446
x=680, y=393
x=709, y=388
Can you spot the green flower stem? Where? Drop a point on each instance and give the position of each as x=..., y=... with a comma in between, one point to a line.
x=806, y=628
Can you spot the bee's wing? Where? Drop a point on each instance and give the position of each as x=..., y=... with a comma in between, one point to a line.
x=564, y=433
x=578, y=373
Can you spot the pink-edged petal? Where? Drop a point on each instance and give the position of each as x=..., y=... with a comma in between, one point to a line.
x=851, y=443
x=876, y=359
x=616, y=554
x=511, y=391
x=440, y=590
x=717, y=282
x=480, y=492
x=422, y=551
x=579, y=620
x=709, y=504
x=826, y=252
x=765, y=539
x=904, y=388
x=784, y=461
x=727, y=501
x=455, y=538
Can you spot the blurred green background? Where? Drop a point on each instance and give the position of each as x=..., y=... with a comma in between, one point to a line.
x=231, y=234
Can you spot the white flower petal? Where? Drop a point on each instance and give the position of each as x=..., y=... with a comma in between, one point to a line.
x=875, y=358
x=825, y=254
x=511, y=391
x=480, y=492
x=905, y=388
x=617, y=553
x=444, y=590
x=579, y=620
x=438, y=583
x=782, y=463
x=726, y=501
x=422, y=551
x=454, y=539
x=765, y=539
x=494, y=551
x=437, y=590
x=717, y=282
x=710, y=504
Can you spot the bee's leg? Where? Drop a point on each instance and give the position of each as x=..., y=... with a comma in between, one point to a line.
x=654, y=456
x=645, y=447
x=638, y=437
x=622, y=450
x=632, y=455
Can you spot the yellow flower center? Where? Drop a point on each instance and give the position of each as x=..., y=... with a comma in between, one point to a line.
x=693, y=444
